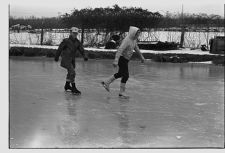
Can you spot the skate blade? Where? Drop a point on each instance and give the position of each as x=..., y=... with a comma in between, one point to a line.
x=103, y=84
x=76, y=94
x=67, y=90
x=124, y=97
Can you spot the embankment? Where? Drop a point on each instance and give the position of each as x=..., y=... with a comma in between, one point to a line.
x=217, y=59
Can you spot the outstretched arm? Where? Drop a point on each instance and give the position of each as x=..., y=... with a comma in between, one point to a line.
x=82, y=52
x=137, y=50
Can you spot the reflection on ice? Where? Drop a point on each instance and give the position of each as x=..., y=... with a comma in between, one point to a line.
x=170, y=105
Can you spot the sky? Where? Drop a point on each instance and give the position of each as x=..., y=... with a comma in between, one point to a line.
x=53, y=8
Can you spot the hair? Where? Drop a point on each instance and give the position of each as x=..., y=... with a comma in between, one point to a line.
x=137, y=31
x=73, y=32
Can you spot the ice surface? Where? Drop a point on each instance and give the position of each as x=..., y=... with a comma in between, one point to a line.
x=171, y=106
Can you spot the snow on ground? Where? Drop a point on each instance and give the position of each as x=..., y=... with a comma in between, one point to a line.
x=206, y=62
x=34, y=46
x=178, y=51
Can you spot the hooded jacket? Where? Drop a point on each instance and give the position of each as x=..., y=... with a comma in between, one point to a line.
x=128, y=45
x=67, y=49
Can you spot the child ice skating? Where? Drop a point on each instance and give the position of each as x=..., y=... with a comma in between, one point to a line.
x=123, y=55
x=67, y=49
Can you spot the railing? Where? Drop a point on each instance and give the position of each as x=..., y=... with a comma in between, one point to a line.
x=92, y=38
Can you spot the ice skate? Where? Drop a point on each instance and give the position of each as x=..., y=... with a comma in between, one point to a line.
x=105, y=86
x=124, y=96
x=122, y=93
x=67, y=87
x=75, y=91
x=106, y=83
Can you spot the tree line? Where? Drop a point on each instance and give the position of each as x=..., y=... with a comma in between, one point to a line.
x=191, y=20
x=38, y=23
x=119, y=19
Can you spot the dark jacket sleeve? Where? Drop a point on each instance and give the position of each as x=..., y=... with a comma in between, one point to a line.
x=81, y=50
x=60, y=48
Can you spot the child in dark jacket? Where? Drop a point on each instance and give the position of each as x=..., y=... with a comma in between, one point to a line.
x=67, y=49
x=123, y=55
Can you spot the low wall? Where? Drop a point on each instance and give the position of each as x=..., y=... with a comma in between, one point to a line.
x=166, y=57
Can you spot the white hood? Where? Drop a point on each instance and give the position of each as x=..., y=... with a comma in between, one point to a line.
x=132, y=32
x=128, y=45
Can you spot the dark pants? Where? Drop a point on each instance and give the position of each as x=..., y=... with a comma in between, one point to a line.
x=71, y=73
x=123, y=70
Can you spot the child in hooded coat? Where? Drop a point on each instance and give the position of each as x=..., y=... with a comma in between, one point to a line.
x=123, y=55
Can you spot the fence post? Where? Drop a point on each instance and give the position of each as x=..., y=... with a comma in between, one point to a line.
x=182, y=29
x=82, y=34
x=182, y=37
x=42, y=32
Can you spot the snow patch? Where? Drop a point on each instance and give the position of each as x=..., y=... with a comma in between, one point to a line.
x=178, y=51
x=206, y=62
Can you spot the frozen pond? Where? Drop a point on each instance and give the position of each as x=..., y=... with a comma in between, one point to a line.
x=170, y=106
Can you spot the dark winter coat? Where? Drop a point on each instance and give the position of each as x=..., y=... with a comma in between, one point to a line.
x=67, y=49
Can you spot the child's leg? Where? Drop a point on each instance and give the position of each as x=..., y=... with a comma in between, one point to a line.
x=117, y=75
x=123, y=67
x=70, y=74
x=122, y=91
x=125, y=77
x=107, y=82
x=71, y=78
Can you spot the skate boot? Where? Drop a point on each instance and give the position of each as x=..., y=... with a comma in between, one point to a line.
x=122, y=93
x=67, y=86
x=106, y=83
x=75, y=91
